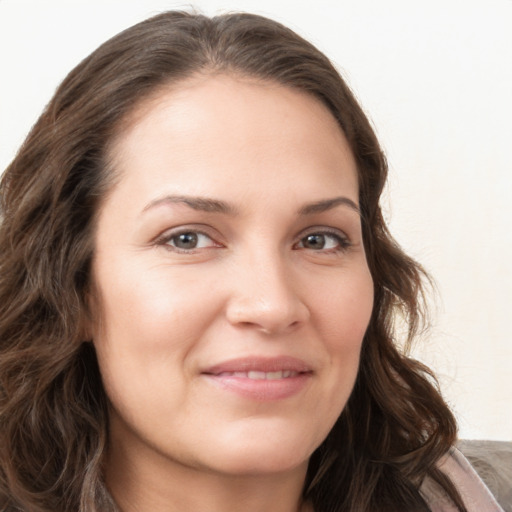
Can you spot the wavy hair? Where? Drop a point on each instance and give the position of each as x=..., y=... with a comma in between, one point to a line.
x=53, y=409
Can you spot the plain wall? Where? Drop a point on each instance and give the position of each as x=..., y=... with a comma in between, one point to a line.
x=436, y=79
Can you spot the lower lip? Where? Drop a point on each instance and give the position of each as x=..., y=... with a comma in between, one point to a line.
x=262, y=389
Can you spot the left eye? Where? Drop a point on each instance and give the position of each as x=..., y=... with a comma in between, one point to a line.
x=189, y=240
x=322, y=242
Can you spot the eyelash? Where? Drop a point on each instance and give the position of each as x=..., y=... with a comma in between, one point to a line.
x=342, y=241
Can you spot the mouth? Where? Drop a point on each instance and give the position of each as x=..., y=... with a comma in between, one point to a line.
x=261, y=367
x=261, y=375
x=261, y=379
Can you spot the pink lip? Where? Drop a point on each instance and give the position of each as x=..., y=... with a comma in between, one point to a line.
x=261, y=389
x=260, y=364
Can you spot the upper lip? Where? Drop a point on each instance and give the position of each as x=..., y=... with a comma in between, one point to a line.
x=261, y=364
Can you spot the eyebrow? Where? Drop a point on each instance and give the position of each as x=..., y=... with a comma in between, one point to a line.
x=328, y=204
x=204, y=204
x=210, y=205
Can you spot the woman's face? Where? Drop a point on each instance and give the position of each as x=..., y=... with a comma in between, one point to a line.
x=231, y=286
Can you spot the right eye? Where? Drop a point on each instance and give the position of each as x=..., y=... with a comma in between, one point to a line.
x=188, y=241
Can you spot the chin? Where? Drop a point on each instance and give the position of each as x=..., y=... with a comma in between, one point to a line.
x=258, y=466
x=266, y=453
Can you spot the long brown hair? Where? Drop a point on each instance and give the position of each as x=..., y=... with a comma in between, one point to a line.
x=53, y=409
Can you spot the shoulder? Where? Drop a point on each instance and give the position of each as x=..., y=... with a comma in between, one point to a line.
x=476, y=495
x=492, y=460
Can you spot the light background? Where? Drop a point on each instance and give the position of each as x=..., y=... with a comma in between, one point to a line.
x=436, y=79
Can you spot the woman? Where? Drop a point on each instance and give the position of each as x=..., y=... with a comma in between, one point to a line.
x=199, y=291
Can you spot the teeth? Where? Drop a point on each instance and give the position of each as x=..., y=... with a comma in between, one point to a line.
x=256, y=375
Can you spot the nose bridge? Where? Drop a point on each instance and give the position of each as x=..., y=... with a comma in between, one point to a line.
x=264, y=293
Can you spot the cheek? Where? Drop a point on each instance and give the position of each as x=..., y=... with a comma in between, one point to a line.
x=147, y=324
x=146, y=330
x=151, y=306
x=345, y=309
x=344, y=314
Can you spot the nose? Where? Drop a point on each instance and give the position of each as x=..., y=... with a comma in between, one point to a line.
x=265, y=297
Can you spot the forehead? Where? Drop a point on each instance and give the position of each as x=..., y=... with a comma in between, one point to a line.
x=233, y=133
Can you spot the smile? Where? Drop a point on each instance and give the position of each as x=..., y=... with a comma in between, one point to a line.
x=259, y=378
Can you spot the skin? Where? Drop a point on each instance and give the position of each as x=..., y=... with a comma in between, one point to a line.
x=255, y=285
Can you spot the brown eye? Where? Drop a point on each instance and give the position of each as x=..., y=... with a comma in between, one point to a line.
x=185, y=240
x=189, y=241
x=323, y=242
x=315, y=241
